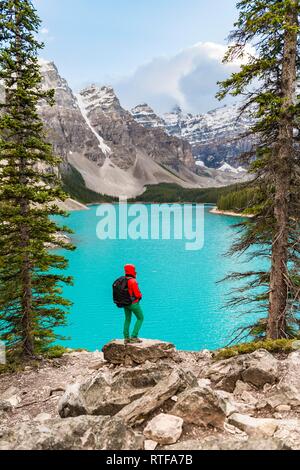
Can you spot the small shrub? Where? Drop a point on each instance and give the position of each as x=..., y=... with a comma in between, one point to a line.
x=271, y=345
x=55, y=352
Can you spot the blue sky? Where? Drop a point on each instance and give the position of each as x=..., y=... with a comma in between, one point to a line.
x=125, y=42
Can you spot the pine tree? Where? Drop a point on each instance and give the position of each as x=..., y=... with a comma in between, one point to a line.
x=31, y=302
x=268, y=84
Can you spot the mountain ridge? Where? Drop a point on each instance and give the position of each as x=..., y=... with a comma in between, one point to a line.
x=216, y=137
x=112, y=152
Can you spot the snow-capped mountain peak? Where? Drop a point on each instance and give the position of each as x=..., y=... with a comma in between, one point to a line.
x=230, y=169
x=146, y=116
x=215, y=137
x=103, y=97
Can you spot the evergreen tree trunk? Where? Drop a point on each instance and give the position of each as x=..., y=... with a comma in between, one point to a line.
x=26, y=284
x=276, y=327
x=268, y=84
x=26, y=303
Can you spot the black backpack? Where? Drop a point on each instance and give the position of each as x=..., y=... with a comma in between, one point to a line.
x=121, y=295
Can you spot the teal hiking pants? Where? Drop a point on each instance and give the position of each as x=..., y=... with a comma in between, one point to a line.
x=137, y=311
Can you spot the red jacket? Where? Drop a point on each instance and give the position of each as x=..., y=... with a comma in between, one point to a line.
x=133, y=289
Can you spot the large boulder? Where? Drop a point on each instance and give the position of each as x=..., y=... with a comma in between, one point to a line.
x=116, y=352
x=200, y=406
x=257, y=368
x=287, y=391
x=261, y=367
x=224, y=374
x=137, y=411
x=108, y=392
x=81, y=433
x=164, y=429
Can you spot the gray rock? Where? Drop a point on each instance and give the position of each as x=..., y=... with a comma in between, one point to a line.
x=225, y=374
x=281, y=408
x=137, y=411
x=288, y=432
x=257, y=368
x=81, y=433
x=287, y=391
x=200, y=406
x=241, y=387
x=164, y=429
x=261, y=367
x=254, y=426
x=226, y=402
x=108, y=392
x=228, y=442
x=43, y=417
x=150, y=445
x=9, y=393
x=249, y=398
x=10, y=398
x=116, y=352
x=5, y=406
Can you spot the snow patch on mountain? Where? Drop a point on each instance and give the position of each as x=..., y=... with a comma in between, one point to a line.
x=103, y=97
x=145, y=115
x=83, y=108
x=215, y=137
x=45, y=65
x=230, y=169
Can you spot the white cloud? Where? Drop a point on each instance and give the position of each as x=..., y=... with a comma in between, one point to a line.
x=44, y=31
x=188, y=78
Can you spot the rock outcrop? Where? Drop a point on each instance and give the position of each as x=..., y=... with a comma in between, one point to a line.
x=258, y=369
x=138, y=410
x=81, y=433
x=108, y=392
x=116, y=352
x=287, y=391
x=66, y=127
x=177, y=400
x=200, y=406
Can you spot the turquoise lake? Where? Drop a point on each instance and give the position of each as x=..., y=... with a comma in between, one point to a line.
x=181, y=301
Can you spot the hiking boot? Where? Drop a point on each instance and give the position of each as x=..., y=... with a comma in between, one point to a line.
x=135, y=340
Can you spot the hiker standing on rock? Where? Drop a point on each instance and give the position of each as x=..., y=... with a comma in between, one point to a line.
x=127, y=295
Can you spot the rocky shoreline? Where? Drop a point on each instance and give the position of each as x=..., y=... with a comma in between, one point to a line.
x=217, y=211
x=152, y=396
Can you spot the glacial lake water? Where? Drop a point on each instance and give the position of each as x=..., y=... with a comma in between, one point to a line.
x=182, y=301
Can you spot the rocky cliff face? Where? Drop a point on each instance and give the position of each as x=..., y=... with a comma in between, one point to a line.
x=66, y=128
x=113, y=154
x=214, y=137
x=147, y=117
x=126, y=138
